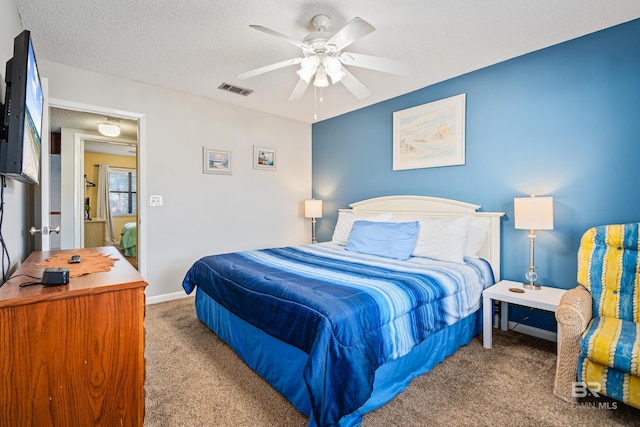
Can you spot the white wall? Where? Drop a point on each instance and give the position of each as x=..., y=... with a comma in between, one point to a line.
x=14, y=227
x=202, y=213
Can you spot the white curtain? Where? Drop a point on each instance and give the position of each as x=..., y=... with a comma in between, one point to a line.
x=104, y=210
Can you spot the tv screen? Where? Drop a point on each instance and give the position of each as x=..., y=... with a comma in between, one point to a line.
x=20, y=152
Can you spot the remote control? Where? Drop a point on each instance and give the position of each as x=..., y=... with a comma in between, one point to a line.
x=75, y=259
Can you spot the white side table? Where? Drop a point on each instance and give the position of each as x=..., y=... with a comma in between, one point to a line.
x=545, y=298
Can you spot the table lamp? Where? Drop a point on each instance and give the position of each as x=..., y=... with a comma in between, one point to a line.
x=533, y=213
x=313, y=210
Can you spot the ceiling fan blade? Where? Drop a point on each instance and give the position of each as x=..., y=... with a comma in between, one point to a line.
x=352, y=31
x=267, y=68
x=280, y=36
x=375, y=63
x=299, y=90
x=355, y=87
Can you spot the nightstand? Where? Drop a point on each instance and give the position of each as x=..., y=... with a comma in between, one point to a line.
x=545, y=298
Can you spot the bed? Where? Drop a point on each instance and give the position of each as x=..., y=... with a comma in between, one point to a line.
x=340, y=328
x=128, y=239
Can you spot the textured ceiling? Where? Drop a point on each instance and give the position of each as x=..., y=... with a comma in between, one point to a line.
x=195, y=45
x=88, y=122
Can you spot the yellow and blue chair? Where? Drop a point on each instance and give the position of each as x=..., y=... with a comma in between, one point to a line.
x=599, y=321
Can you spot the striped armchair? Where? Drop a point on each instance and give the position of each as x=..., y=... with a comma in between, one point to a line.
x=599, y=321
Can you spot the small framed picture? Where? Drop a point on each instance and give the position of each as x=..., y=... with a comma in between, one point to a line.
x=216, y=161
x=264, y=158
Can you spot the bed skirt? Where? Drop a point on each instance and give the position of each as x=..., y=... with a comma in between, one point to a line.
x=281, y=364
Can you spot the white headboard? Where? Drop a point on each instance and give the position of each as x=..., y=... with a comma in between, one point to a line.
x=435, y=207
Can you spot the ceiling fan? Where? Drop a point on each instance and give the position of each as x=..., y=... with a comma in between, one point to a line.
x=323, y=58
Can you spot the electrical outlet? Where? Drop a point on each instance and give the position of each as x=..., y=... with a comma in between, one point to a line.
x=155, y=201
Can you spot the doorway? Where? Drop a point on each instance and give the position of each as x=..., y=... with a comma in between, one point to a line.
x=110, y=173
x=77, y=150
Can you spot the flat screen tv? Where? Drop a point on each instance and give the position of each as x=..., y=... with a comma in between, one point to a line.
x=22, y=122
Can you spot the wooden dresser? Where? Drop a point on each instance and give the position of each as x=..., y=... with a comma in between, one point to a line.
x=73, y=355
x=94, y=232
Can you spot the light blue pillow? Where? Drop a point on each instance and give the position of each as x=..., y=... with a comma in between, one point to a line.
x=388, y=239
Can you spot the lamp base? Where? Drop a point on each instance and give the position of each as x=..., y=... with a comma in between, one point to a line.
x=531, y=286
x=313, y=231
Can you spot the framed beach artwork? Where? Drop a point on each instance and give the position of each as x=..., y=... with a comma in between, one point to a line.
x=216, y=161
x=264, y=158
x=429, y=135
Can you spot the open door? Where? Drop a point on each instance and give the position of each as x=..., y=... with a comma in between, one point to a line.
x=72, y=167
x=40, y=228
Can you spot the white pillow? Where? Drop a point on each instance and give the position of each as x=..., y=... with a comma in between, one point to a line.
x=476, y=235
x=442, y=239
x=346, y=220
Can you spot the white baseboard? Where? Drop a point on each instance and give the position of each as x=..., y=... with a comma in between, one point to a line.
x=166, y=297
x=533, y=331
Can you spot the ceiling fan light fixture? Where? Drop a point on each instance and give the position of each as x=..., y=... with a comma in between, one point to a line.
x=321, y=79
x=333, y=68
x=304, y=75
x=308, y=68
x=110, y=127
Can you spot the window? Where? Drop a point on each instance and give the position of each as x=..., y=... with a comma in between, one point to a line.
x=122, y=191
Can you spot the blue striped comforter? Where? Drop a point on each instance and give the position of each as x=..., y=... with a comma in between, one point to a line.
x=350, y=312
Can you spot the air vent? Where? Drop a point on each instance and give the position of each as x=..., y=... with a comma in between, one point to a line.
x=235, y=89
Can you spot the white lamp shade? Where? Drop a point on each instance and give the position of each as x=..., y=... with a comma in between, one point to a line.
x=533, y=213
x=321, y=79
x=308, y=68
x=333, y=68
x=313, y=208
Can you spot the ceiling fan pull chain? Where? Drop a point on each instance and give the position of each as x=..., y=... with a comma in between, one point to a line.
x=315, y=103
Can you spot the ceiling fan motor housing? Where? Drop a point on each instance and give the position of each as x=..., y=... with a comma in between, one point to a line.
x=317, y=40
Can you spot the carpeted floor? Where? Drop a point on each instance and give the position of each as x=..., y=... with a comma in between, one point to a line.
x=195, y=379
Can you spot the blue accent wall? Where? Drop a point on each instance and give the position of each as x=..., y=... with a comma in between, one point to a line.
x=563, y=122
